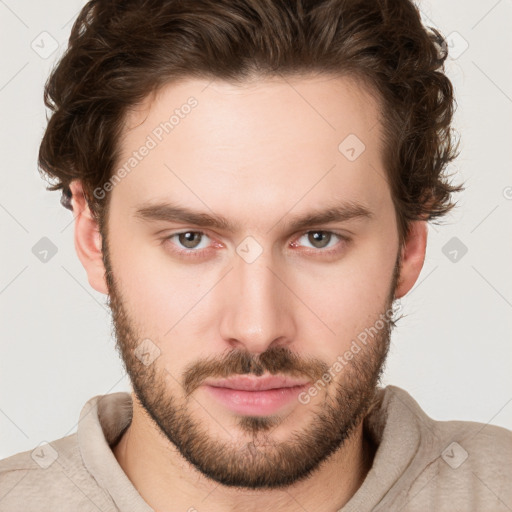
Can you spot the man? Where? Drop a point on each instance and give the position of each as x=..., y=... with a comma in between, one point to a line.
x=251, y=182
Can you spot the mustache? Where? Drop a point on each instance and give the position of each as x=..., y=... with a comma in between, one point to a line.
x=275, y=360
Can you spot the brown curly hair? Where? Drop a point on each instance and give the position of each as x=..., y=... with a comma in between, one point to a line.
x=120, y=51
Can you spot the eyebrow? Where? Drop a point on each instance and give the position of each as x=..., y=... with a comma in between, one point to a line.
x=169, y=212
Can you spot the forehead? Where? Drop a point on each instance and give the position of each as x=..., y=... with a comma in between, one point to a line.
x=260, y=143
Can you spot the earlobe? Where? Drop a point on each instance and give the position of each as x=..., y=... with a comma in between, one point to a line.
x=412, y=257
x=88, y=243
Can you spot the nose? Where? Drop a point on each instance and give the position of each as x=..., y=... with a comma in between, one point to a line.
x=258, y=311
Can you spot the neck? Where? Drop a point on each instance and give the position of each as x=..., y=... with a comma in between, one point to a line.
x=167, y=482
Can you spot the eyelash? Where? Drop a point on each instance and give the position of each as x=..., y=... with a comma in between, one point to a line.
x=198, y=253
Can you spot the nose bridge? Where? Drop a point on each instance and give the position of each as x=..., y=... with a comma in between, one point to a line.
x=257, y=314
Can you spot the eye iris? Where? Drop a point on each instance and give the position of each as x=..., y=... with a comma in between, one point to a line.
x=319, y=236
x=187, y=239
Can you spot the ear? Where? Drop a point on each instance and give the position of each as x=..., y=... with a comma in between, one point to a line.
x=412, y=257
x=88, y=239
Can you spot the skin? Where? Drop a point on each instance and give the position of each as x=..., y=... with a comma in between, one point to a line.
x=273, y=144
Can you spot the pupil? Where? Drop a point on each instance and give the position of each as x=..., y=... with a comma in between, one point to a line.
x=187, y=239
x=319, y=236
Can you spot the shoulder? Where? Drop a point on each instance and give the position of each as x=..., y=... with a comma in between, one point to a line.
x=485, y=444
x=478, y=454
x=458, y=465
x=53, y=477
x=481, y=448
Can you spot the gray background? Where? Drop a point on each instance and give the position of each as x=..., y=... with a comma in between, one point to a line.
x=453, y=350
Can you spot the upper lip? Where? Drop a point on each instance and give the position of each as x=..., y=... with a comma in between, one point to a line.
x=251, y=383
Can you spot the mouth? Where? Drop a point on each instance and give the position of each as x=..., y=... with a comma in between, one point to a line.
x=256, y=396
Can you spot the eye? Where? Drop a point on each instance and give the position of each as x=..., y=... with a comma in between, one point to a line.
x=198, y=243
x=189, y=240
x=321, y=240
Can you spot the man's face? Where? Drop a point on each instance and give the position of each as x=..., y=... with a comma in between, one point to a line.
x=259, y=296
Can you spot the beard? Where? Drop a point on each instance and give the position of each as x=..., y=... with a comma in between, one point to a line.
x=260, y=461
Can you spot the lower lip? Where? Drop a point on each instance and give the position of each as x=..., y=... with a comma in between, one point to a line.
x=256, y=403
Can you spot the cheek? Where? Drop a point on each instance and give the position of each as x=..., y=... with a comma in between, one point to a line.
x=169, y=303
x=349, y=296
x=156, y=291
